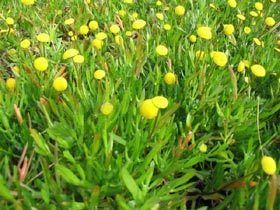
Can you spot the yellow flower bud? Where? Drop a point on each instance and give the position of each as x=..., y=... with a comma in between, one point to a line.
x=170, y=78
x=180, y=10
x=25, y=43
x=10, y=21
x=78, y=59
x=219, y=58
x=161, y=50
x=11, y=83
x=84, y=30
x=41, y=64
x=160, y=102
x=259, y=6
x=138, y=24
x=232, y=3
x=192, y=38
x=106, y=108
x=101, y=36
x=70, y=53
x=203, y=148
x=258, y=70
x=99, y=74
x=28, y=2
x=97, y=43
x=43, y=37
x=228, y=29
x=269, y=21
x=167, y=27
x=69, y=21
x=268, y=165
x=148, y=110
x=93, y=25
x=247, y=30
x=115, y=29
x=60, y=84
x=204, y=32
x=241, y=66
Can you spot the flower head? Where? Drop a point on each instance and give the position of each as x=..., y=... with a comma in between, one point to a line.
x=69, y=21
x=70, y=53
x=115, y=29
x=219, y=58
x=99, y=74
x=228, y=29
x=78, y=59
x=97, y=43
x=259, y=6
x=101, y=36
x=269, y=21
x=138, y=24
x=93, y=25
x=41, y=64
x=160, y=102
x=161, y=50
x=28, y=2
x=232, y=3
x=258, y=70
x=10, y=21
x=203, y=148
x=148, y=110
x=25, y=43
x=11, y=83
x=84, y=30
x=180, y=10
x=268, y=165
x=60, y=84
x=170, y=78
x=204, y=32
x=43, y=37
x=192, y=38
x=106, y=108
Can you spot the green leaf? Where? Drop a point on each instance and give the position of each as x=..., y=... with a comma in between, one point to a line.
x=42, y=146
x=131, y=185
x=68, y=175
x=4, y=191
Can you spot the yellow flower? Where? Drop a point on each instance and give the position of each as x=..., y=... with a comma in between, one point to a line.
x=158, y=3
x=268, y=165
x=241, y=66
x=258, y=70
x=228, y=29
x=204, y=32
x=269, y=21
x=138, y=24
x=128, y=1
x=241, y=17
x=192, y=38
x=25, y=43
x=106, y=108
x=247, y=30
x=41, y=64
x=28, y=2
x=135, y=15
x=69, y=21
x=232, y=3
x=170, y=78
x=84, y=30
x=97, y=43
x=70, y=53
x=121, y=13
x=167, y=27
x=247, y=63
x=93, y=25
x=60, y=84
x=219, y=58
x=259, y=6
x=128, y=33
x=160, y=16
x=203, y=148
x=148, y=110
x=78, y=59
x=71, y=33
x=16, y=69
x=115, y=29
x=43, y=37
x=119, y=40
x=10, y=21
x=160, y=102
x=11, y=83
x=99, y=74
x=258, y=42
x=161, y=50
x=180, y=10
x=199, y=54
x=254, y=14
x=101, y=36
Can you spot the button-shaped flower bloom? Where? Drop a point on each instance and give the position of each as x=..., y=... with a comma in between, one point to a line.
x=10, y=21
x=219, y=58
x=60, y=84
x=97, y=43
x=28, y=2
x=93, y=25
x=11, y=83
x=241, y=66
x=160, y=102
x=204, y=32
x=101, y=36
x=247, y=30
x=228, y=29
x=25, y=43
x=241, y=17
x=107, y=108
x=268, y=165
x=99, y=74
x=138, y=24
x=258, y=70
x=70, y=53
x=115, y=29
x=180, y=10
x=192, y=38
x=148, y=110
x=161, y=50
x=269, y=21
x=167, y=27
x=41, y=64
x=43, y=37
x=203, y=148
x=84, y=30
x=232, y=3
x=259, y=6
x=170, y=78
x=69, y=21
x=78, y=59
